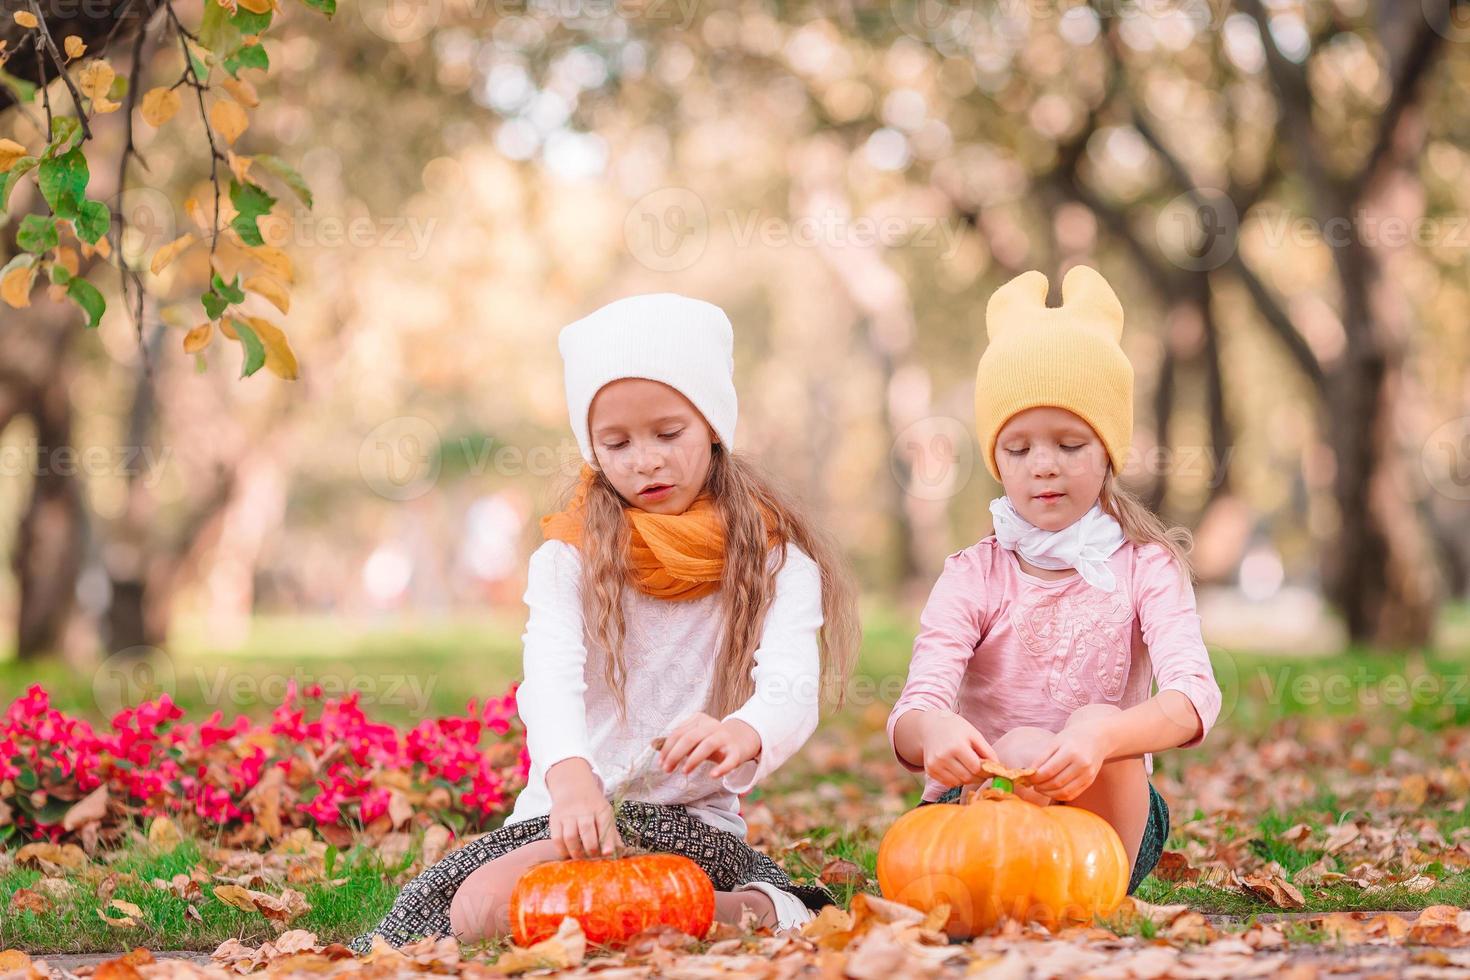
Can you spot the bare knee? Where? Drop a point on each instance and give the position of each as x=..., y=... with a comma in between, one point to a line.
x=480, y=908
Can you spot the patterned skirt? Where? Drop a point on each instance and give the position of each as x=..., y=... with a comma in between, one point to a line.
x=1155, y=832
x=422, y=907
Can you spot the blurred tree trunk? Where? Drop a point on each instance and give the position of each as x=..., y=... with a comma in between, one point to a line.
x=51, y=534
x=35, y=344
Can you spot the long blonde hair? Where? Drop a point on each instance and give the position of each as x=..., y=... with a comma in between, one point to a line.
x=747, y=587
x=1142, y=526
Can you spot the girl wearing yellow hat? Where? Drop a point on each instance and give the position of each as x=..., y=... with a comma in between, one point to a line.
x=1040, y=644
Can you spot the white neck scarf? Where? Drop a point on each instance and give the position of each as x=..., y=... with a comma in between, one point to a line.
x=1086, y=544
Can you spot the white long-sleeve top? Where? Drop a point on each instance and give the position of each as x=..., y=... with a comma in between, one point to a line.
x=669, y=649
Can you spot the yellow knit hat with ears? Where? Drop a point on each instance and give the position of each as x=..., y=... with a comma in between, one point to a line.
x=1065, y=356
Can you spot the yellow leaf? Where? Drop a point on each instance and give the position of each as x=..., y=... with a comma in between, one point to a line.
x=240, y=90
x=169, y=252
x=67, y=256
x=95, y=79
x=75, y=46
x=271, y=289
x=129, y=918
x=65, y=855
x=198, y=338
x=26, y=19
x=105, y=105
x=257, y=6
x=239, y=166
x=279, y=357
x=236, y=896
x=163, y=833
x=159, y=105
x=196, y=214
x=229, y=119
x=228, y=329
x=276, y=260
x=10, y=151
x=102, y=248
x=15, y=288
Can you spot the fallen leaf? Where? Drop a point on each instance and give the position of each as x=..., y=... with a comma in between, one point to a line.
x=840, y=871
x=565, y=949
x=130, y=917
x=1273, y=888
x=90, y=808
x=26, y=900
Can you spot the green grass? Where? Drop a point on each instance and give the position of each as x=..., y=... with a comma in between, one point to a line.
x=338, y=911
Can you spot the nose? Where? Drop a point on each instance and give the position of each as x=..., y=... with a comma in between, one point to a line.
x=649, y=458
x=1043, y=463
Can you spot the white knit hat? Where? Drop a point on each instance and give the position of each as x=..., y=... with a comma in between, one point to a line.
x=686, y=343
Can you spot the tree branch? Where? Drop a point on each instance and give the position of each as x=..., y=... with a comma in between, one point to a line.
x=1416, y=64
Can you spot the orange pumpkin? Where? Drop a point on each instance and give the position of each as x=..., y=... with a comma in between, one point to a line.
x=999, y=856
x=614, y=899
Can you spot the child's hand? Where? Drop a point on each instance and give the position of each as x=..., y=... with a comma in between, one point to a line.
x=700, y=738
x=581, y=821
x=1069, y=761
x=953, y=748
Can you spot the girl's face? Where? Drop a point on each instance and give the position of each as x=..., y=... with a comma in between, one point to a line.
x=652, y=443
x=1051, y=465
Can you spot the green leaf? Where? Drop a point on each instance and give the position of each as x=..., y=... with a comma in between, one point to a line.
x=93, y=221
x=37, y=233
x=287, y=173
x=64, y=132
x=216, y=32
x=250, y=56
x=214, y=304
x=254, y=349
x=252, y=201
x=328, y=7
x=59, y=273
x=85, y=295
x=63, y=182
x=23, y=90
x=27, y=780
x=11, y=177
x=230, y=291
x=249, y=22
x=201, y=69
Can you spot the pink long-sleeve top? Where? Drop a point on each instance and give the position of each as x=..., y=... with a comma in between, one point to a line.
x=1004, y=648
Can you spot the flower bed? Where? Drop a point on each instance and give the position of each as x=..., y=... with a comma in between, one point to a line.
x=319, y=763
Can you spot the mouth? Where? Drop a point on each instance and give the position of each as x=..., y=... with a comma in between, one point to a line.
x=1050, y=495
x=655, y=490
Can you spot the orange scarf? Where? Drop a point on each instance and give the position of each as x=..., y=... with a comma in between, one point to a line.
x=671, y=556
